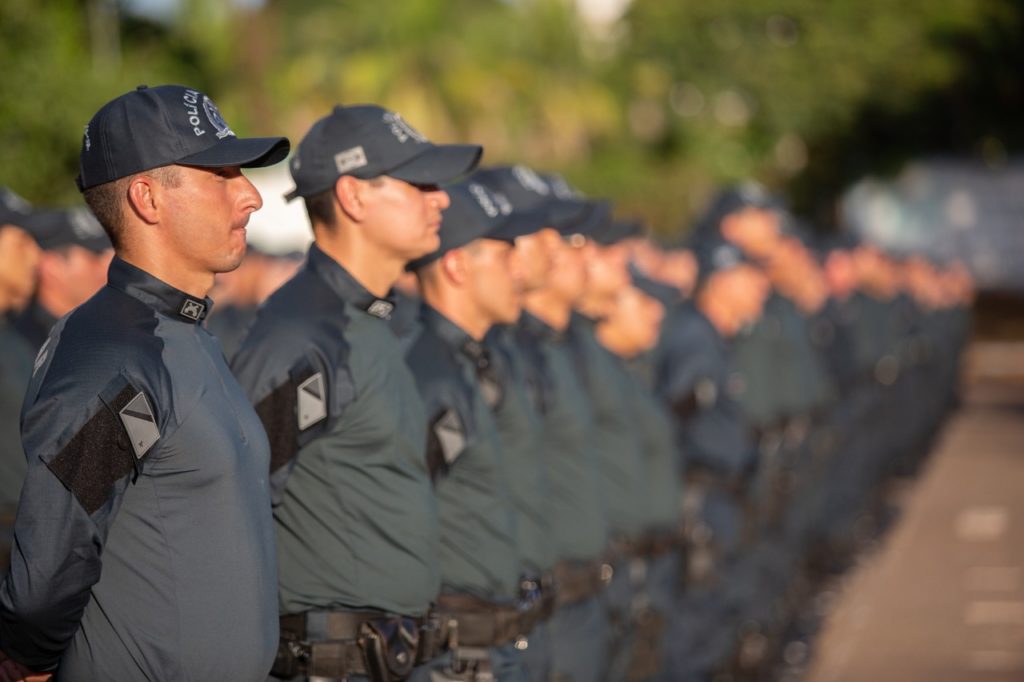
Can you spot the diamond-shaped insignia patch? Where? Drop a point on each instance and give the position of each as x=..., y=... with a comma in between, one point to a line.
x=140, y=424
x=312, y=401
x=450, y=435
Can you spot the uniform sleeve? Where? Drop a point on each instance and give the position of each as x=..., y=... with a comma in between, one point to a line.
x=78, y=472
x=684, y=373
x=296, y=405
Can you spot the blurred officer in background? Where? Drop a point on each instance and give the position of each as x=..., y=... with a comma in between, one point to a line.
x=630, y=328
x=468, y=285
x=19, y=255
x=239, y=294
x=355, y=513
x=72, y=267
x=143, y=541
x=579, y=628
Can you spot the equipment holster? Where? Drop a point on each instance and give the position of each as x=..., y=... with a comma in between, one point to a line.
x=389, y=648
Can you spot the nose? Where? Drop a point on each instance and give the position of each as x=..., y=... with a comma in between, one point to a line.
x=250, y=198
x=440, y=198
x=517, y=266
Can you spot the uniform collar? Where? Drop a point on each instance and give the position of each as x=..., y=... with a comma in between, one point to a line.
x=534, y=326
x=451, y=334
x=157, y=294
x=346, y=286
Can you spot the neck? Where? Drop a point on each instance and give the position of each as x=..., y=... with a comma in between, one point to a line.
x=452, y=303
x=193, y=283
x=374, y=268
x=718, y=314
x=52, y=302
x=7, y=301
x=609, y=337
x=593, y=306
x=549, y=308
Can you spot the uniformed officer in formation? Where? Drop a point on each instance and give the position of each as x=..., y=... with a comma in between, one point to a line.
x=143, y=538
x=469, y=285
x=355, y=512
x=569, y=454
x=72, y=267
x=19, y=256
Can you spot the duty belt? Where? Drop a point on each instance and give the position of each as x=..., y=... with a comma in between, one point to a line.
x=578, y=581
x=475, y=622
x=537, y=601
x=336, y=644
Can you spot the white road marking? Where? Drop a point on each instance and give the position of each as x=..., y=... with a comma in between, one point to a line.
x=982, y=524
x=994, y=613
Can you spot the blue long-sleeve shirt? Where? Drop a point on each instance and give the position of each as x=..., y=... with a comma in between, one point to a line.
x=143, y=540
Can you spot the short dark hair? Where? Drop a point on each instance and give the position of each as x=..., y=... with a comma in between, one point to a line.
x=320, y=209
x=107, y=200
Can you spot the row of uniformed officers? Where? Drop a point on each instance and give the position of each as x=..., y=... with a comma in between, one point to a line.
x=485, y=431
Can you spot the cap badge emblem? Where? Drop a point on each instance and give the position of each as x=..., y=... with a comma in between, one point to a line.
x=216, y=120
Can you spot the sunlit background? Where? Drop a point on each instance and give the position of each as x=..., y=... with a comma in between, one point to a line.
x=912, y=108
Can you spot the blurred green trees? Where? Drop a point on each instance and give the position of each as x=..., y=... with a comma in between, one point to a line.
x=653, y=110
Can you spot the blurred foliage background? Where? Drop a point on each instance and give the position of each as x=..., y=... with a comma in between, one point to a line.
x=653, y=103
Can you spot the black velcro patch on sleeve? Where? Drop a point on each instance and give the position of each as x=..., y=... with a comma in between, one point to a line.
x=277, y=412
x=287, y=429
x=98, y=456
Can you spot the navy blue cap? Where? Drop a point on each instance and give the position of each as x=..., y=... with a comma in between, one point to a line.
x=716, y=255
x=663, y=293
x=14, y=210
x=56, y=228
x=527, y=190
x=730, y=200
x=367, y=141
x=475, y=212
x=168, y=124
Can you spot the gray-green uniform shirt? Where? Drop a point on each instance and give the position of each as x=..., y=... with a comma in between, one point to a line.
x=519, y=425
x=355, y=515
x=479, y=555
x=15, y=371
x=613, y=437
x=577, y=511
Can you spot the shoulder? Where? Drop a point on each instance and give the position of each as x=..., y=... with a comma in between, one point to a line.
x=97, y=361
x=302, y=322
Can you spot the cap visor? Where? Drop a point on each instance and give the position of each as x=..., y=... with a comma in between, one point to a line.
x=249, y=152
x=561, y=213
x=439, y=164
x=519, y=224
x=595, y=219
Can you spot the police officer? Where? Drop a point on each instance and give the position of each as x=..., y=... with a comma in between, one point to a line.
x=355, y=514
x=72, y=267
x=578, y=628
x=630, y=329
x=144, y=542
x=697, y=378
x=468, y=285
x=19, y=254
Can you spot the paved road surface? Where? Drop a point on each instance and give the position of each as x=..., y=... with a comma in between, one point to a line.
x=943, y=599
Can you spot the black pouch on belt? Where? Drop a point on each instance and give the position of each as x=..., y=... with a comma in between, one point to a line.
x=389, y=646
x=292, y=656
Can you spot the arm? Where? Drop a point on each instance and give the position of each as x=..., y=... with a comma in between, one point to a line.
x=77, y=476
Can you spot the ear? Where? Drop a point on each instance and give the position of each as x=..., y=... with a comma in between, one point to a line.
x=350, y=193
x=454, y=266
x=728, y=225
x=51, y=266
x=145, y=198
